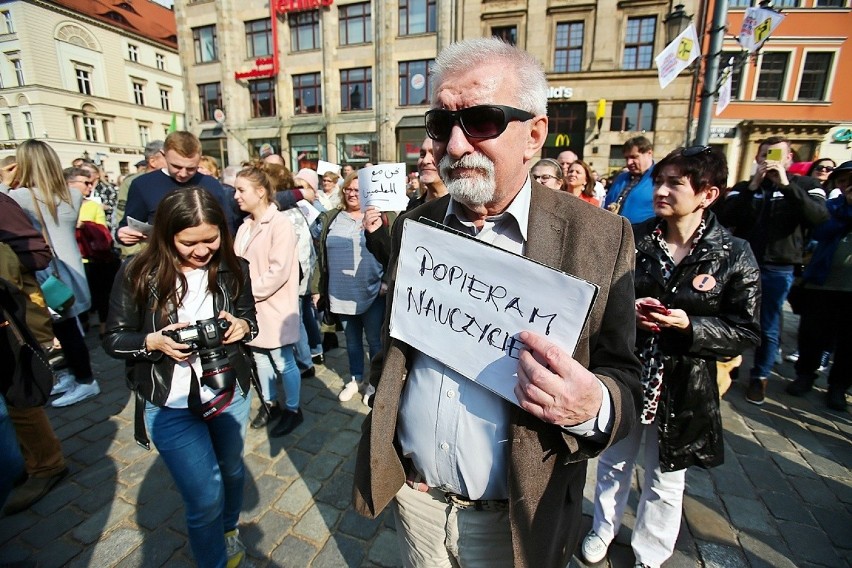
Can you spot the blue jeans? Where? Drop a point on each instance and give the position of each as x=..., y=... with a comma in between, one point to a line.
x=278, y=364
x=206, y=462
x=302, y=348
x=775, y=282
x=11, y=462
x=355, y=326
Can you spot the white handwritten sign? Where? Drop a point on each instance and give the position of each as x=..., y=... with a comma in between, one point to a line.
x=383, y=186
x=464, y=303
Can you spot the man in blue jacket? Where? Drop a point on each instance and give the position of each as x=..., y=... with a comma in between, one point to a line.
x=631, y=194
x=182, y=153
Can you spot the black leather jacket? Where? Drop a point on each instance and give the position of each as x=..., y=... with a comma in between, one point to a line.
x=150, y=374
x=725, y=321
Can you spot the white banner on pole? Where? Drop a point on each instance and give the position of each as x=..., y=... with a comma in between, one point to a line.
x=677, y=56
x=724, y=98
x=464, y=302
x=758, y=25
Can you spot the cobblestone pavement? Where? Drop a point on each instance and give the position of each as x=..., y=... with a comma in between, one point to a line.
x=782, y=498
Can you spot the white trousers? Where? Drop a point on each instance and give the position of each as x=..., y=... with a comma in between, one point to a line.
x=435, y=534
x=660, y=503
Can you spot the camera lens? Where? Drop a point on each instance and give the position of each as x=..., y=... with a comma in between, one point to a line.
x=216, y=369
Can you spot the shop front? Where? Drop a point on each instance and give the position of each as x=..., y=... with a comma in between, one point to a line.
x=357, y=149
x=307, y=146
x=214, y=142
x=566, y=128
x=410, y=134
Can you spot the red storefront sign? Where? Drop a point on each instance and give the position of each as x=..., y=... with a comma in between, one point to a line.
x=286, y=6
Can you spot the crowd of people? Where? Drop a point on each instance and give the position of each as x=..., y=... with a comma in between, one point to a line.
x=206, y=282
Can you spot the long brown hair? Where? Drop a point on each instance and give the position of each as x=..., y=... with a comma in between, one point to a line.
x=40, y=170
x=158, y=267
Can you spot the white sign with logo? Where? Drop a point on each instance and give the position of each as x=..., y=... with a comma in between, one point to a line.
x=323, y=167
x=677, y=56
x=383, y=187
x=758, y=25
x=418, y=81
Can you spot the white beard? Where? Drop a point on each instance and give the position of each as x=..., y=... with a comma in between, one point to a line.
x=474, y=191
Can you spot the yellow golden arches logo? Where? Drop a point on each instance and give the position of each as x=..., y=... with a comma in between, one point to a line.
x=562, y=140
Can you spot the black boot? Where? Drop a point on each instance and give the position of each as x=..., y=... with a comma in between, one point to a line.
x=835, y=398
x=288, y=423
x=263, y=417
x=800, y=386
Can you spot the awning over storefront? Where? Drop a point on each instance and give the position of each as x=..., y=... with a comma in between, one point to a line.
x=212, y=133
x=410, y=122
x=307, y=128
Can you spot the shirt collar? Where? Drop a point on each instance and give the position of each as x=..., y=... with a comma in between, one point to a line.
x=519, y=209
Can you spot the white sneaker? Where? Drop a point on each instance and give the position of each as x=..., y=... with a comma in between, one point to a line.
x=594, y=548
x=369, y=391
x=78, y=392
x=348, y=391
x=64, y=380
x=234, y=548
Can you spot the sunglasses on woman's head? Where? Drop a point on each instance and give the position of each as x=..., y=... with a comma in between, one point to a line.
x=695, y=151
x=480, y=122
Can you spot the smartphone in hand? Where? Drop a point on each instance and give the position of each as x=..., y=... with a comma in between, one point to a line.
x=654, y=308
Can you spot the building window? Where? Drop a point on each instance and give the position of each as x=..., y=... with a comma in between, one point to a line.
x=133, y=52
x=90, y=129
x=10, y=128
x=416, y=17
x=144, y=134
x=204, y=40
x=262, y=96
x=164, y=99
x=785, y=3
x=509, y=34
x=28, y=121
x=568, y=55
x=414, y=82
x=639, y=43
x=773, y=70
x=739, y=3
x=259, y=38
x=356, y=88
x=161, y=61
x=632, y=116
x=7, y=21
x=210, y=98
x=307, y=93
x=736, y=71
x=824, y=4
x=19, y=72
x=815, y=74
x=355, y=24
x=84, y=81
x=304, y=31
x=139, y=93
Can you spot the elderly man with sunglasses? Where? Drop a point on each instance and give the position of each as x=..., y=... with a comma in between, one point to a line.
x=475, y=480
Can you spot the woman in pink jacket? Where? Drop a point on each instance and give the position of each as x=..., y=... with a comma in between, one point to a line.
x=268, y=241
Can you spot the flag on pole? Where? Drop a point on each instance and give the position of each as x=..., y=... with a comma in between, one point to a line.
x=173, y=125
x=600, y=111
x=724, y=97
x=677, y=56
x=758, y=25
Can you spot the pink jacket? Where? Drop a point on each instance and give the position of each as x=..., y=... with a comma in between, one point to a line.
x=274, y=269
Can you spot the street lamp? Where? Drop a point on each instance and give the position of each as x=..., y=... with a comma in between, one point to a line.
x=711, y=71
x=676, y=22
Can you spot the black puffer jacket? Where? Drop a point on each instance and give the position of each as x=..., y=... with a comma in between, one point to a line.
x=725, y=322
x=150, y=374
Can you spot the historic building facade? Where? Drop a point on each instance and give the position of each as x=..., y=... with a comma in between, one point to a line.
x=345, y=81
x=90, y=78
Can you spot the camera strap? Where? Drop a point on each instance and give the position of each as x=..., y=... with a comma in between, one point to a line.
x=212, y=408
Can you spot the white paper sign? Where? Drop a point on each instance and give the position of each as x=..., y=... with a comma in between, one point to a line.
x=677, y=56
x=758, y=25
x=383, y=187
x=141, y=226
x=464, y=303
x=724, y=93
x=323, y=167
x=308, y=210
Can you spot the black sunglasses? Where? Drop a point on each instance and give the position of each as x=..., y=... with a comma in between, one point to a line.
x=695, y=151
x=481, y=121
x=824, y=169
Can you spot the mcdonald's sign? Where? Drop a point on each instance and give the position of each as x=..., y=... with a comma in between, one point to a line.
x=559, y=140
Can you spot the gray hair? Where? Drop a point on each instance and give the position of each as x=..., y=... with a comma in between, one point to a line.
x=229, y=174
x=465, y=55
x=72, y=172
x=152, y=149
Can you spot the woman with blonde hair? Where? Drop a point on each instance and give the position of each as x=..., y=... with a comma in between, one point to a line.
x=209, y=166
x=53, y=209
x=579, y=182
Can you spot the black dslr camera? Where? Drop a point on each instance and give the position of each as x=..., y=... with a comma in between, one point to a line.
x=205, y=337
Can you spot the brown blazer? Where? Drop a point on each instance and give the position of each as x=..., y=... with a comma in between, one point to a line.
x=547, y=466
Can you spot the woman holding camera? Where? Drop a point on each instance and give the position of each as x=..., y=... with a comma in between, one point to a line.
x=267, y=239
x=167, y=304
x=697, y=297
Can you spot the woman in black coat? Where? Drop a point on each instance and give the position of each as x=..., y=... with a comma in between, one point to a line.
x=697, y=298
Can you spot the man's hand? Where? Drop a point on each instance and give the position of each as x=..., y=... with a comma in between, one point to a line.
x=776, y=172
x=309, y=194
x=129, y=236
x=7, y=174
x=553, y=386
x=757, y=178
x=372, y=219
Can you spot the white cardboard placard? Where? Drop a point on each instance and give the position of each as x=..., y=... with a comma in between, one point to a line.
x=464, y=302
x=323, y=167
x=383, y=187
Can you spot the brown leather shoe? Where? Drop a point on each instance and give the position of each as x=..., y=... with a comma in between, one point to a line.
x=32, y=490
x=756, y=392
